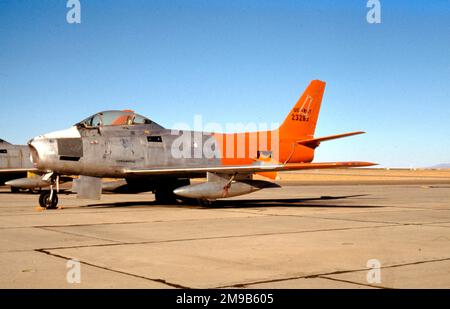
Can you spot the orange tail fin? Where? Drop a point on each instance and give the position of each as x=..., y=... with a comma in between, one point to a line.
x=300, y=123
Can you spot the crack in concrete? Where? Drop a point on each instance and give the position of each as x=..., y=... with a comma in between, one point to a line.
x=216, y=237
x=325, y=218
x=323, y=275
x=69, y=210
x=174, y=285
x=357, y=283
x=374, y=221
x=127, y=222
x=439, y=224
x=77, y=234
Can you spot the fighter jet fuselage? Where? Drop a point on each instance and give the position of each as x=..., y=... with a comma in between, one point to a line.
x=109, y=151
x=122, y=144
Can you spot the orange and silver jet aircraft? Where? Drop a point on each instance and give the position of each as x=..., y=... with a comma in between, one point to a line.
x=123, y=144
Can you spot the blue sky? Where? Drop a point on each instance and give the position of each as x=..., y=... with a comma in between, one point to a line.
x=235, y=61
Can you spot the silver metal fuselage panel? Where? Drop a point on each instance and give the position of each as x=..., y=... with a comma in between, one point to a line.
x=108, y=151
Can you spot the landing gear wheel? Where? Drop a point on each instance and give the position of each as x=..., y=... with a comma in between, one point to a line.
x=15, y=190
x=164, y=191
x=46, y=202
x=204, y=202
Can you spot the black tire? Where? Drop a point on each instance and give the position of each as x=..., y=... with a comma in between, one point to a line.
x=15, y=190
x=45, y=202
x=204, y=202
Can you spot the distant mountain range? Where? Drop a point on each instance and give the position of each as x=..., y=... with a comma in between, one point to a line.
x=442, y=165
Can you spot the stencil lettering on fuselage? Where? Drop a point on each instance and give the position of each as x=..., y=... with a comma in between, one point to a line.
x=303, y=113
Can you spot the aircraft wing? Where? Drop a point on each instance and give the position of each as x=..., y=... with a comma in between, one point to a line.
x=245, y=169
x=17, y=170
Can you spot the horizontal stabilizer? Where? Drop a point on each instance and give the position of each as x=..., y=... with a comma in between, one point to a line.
x=314, y=142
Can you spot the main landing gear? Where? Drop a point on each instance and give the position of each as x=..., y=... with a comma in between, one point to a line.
x=49, y=198
x=164, y=191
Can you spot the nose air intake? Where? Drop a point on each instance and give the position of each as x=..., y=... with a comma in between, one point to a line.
x=34, y=156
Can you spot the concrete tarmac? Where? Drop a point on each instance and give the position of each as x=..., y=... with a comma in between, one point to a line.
x=316, y=236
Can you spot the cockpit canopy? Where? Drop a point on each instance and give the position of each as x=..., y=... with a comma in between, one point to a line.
x=115, y=118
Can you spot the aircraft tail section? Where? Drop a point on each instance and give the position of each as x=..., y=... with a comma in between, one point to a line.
x=300, y=123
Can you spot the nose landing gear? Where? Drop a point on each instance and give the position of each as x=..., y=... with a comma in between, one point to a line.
x=49, y=198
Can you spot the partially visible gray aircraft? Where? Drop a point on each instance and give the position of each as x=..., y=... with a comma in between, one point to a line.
x=123, y=144
x=17, y=172
x=14, y=162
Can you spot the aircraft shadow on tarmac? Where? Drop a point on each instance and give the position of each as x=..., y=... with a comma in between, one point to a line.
x=248, y=203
